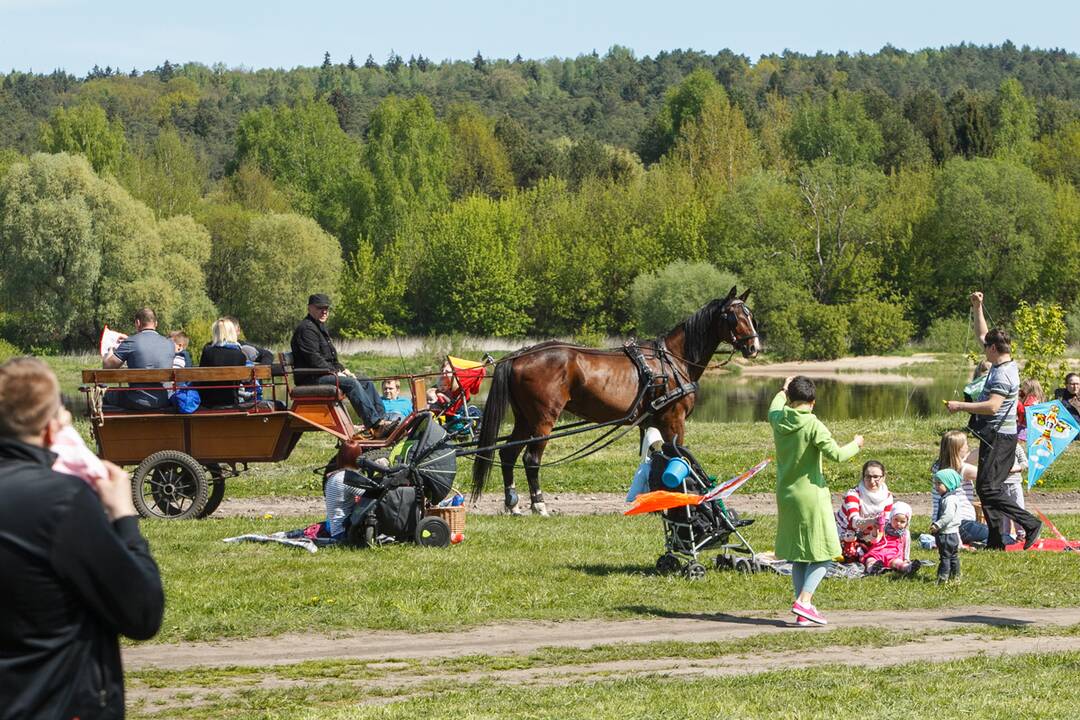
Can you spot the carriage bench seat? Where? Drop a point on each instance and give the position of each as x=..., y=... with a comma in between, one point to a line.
x=317, y=391
x=223, y=375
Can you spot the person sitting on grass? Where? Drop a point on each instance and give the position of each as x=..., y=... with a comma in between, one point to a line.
x=861, y=505
x=952, y=453
x=1070, y=395
x=892, y=548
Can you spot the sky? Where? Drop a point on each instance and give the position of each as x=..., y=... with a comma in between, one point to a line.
x=74, y=35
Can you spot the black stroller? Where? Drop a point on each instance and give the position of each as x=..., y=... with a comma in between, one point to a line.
x=418, y=474
x=690, y=529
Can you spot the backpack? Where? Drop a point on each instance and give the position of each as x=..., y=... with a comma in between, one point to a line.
x=186, y=399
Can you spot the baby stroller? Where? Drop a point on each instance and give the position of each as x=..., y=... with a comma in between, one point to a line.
x=690, y=529
x=418, y=474
x=460, y=380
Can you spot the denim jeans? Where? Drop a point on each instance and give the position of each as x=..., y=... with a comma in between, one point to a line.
x=362, y=394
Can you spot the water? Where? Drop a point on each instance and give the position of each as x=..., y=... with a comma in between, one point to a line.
x=747, y=398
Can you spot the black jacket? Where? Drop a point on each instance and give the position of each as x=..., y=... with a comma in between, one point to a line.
x=71, y=583
x=220, y=356
x=311, y=348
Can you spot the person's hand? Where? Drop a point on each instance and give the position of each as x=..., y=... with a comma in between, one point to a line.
x=63, y=416
x=787, y=381
x=976, y=299
x=933, y=529
x=859, y=440
x=953, y=406
x=115, y=492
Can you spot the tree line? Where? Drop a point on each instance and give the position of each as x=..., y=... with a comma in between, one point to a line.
x=859, y=197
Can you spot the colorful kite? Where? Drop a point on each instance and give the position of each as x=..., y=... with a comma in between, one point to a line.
x=1050, y=429
x=665, y=500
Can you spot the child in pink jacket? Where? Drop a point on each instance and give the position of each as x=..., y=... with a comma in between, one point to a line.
x=892, y=548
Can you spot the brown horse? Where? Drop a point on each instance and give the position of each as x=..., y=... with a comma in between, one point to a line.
x=542, y=381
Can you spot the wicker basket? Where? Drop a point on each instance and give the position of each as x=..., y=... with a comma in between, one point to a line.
x=454, y=516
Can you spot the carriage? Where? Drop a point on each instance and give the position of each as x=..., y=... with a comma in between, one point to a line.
x=183, y=460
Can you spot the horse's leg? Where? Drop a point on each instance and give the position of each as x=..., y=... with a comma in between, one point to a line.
x=507, y=457
x=672, y=426
x=533, y=454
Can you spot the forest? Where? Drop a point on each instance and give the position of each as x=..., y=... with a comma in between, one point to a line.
x=859, y=196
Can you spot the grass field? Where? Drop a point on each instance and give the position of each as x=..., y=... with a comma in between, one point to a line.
x=524, y=569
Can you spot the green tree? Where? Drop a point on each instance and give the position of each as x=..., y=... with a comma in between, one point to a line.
x=682, y=104
x=662, y=299
x=1040, y=333
x=1058, y=155
x=479, y=163
x=471, y=258
x=283, y=259
x=971, y=126
x=165, y=174
x=306, y=153
x=86, y=130
x=407, y=157
x=927, y=113
x=838, y=127
x=991, y=228
x=716, y=146
x=79, y=252
x=1015, y=121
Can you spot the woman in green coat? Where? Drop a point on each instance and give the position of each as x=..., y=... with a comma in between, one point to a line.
x=805, y=528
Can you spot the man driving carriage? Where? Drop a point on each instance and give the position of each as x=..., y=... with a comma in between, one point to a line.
x=313, y=350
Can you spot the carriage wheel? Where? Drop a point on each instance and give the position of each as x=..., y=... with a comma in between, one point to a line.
x=217, y=490
x=667, y=564
x=433, y=532
x=694, y=570
x=170, y=485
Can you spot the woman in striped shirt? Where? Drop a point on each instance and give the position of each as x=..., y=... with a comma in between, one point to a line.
x=861, y=506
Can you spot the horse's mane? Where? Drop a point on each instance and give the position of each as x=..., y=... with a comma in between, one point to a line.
x=699, y=339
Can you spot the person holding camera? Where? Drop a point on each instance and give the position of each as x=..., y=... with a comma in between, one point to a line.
x=993, y=421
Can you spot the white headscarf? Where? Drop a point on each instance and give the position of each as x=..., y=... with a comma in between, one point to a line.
x=873, y=503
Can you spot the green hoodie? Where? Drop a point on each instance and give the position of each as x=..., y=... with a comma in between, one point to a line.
x=805, y=527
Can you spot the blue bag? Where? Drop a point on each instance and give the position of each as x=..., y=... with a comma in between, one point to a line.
x=186, y=399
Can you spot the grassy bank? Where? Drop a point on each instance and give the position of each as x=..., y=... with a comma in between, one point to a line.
x=523, y=568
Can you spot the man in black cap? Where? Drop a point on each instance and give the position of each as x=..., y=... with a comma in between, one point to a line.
x=312, y=349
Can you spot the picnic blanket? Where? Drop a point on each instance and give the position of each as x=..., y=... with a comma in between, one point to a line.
x=309, y=538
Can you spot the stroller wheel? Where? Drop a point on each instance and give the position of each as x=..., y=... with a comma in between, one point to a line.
x=723, y=562
x=743, y=565
x=362, y=535
x=667, y=564
x=694, y=570
x=433, y=532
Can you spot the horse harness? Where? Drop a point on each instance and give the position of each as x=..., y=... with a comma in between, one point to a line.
x=651, y=385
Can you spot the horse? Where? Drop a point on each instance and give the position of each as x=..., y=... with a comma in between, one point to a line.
x=601, y=386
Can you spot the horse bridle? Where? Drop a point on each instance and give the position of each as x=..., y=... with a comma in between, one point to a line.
x=731, y=316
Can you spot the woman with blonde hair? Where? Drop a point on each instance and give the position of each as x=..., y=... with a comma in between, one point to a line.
x=224, y=351
x=952, y=455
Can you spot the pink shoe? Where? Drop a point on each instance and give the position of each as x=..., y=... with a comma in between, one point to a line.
x=809, y=612
x=800, y=621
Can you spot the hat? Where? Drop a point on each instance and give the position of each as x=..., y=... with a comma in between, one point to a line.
x=949, y=478
x=319, y=300
x=900, y=508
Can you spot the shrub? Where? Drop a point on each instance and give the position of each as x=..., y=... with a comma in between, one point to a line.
x=663, y=299
x=1040, y=341
x=8, y=351
x=826, y=331
x=877, y=326
x=951, y=335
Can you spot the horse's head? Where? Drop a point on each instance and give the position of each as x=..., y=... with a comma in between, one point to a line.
x=739, y=324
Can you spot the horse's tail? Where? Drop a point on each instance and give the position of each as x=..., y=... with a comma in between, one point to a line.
x=494, y=409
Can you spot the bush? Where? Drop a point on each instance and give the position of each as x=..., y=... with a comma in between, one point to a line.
x=878, y=326
x=951, y=335
x=8, y=351
x=663, y=299
x=826, y=331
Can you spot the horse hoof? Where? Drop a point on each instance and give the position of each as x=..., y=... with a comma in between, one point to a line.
x=539, y=508
x=514, y=509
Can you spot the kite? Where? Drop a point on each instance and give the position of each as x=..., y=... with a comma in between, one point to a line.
x=666, y=500
x=1050, y=430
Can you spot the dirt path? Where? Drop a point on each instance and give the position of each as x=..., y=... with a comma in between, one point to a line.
x=525, y=637
x=1058, y=503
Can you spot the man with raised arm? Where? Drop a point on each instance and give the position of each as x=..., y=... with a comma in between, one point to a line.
x=145, y=349
x=995, y=426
